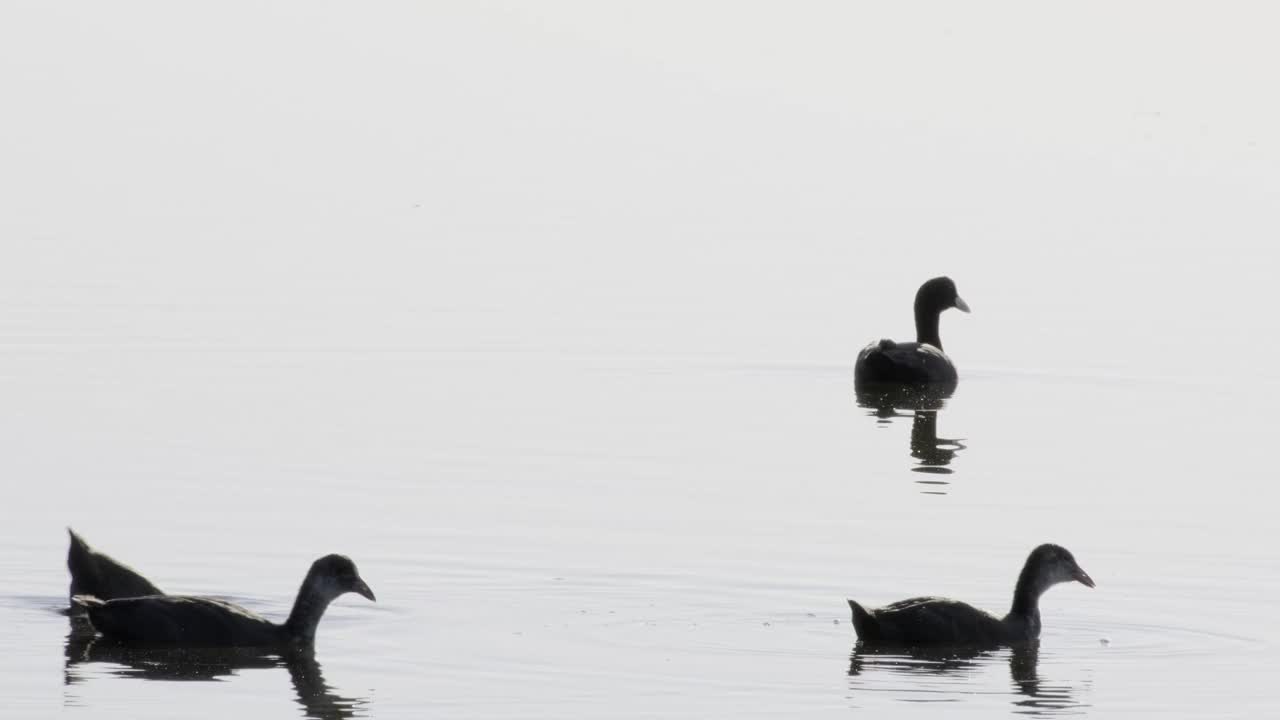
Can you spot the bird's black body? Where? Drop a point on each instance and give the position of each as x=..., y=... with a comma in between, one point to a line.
x=939, y=621
x=909, y=363
x=919, y=362
x=201, y=622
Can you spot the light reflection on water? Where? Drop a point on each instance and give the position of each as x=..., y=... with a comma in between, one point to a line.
x=933, y=454
x=316, y=698
x=921, y=675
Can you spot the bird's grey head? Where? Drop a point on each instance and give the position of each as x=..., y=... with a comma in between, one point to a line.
x=1053, y=564
x=333, y=575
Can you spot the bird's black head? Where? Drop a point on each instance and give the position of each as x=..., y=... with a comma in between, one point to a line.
x=939, y=294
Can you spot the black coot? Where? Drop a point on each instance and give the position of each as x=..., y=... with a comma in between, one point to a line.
x=939, y=621
x=102, y=576
x=181, y=621
x=919, y=362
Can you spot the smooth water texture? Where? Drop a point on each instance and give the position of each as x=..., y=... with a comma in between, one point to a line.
x=547, y=317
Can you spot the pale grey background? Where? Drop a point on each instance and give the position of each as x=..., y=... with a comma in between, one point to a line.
x=545, y=313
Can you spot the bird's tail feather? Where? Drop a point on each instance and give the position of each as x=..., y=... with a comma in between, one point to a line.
x=864, y=623
x=84, y=569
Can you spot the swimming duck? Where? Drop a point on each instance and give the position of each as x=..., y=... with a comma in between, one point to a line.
x=939, y=621
x=185, y=621
x=919, y=362
x=102, y=576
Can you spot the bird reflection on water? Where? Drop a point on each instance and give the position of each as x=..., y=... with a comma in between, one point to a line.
x=934, y=454
x=314, y=695
x=1035, y=697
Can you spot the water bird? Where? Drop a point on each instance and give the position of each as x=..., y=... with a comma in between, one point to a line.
x=919, y=362
x=102, y=576
x=938, y=621
x=203, y=622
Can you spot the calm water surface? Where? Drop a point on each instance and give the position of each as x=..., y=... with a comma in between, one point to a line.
x=627, y=536
x=546, y=316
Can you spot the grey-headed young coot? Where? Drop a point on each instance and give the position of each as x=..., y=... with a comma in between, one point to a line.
x=922, y=361
x=102, y=576
x=183, y=621
x=939, y=621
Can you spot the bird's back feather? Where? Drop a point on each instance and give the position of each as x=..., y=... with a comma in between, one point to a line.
x=887, y=361
x=929, y=621
x=173, y=620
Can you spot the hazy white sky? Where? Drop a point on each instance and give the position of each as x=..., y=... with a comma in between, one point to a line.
x=746, y=159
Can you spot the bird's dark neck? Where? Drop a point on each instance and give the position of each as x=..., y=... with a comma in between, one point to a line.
x=308, y=608
x=1026, y=594
x=927, y=325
